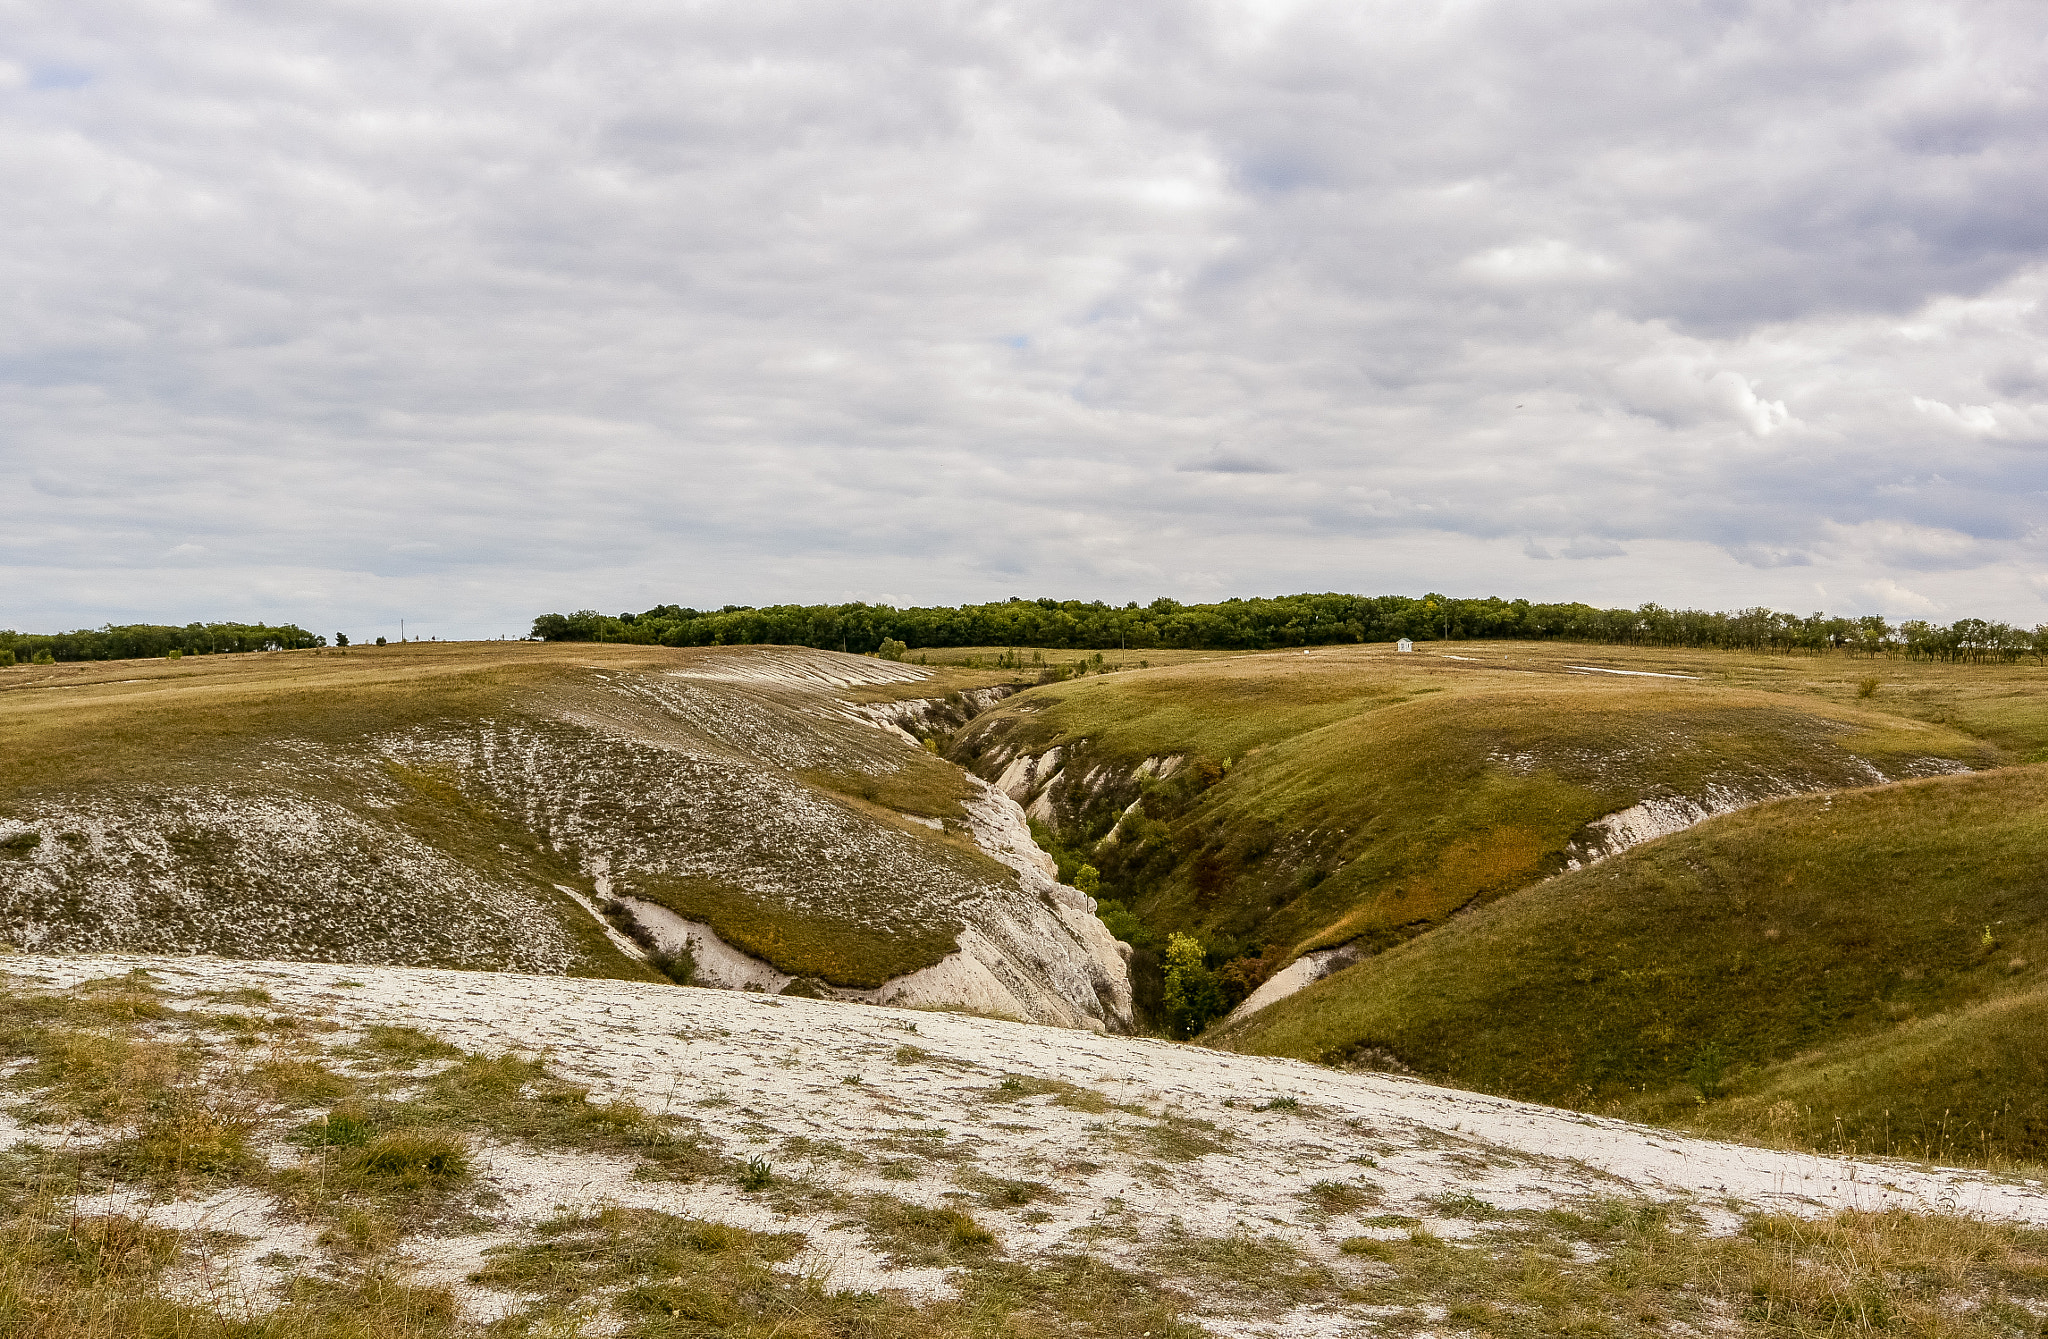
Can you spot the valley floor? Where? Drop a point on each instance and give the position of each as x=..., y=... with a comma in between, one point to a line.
x=1174, y=1163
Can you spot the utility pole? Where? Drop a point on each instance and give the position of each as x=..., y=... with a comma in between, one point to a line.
x=401, y=629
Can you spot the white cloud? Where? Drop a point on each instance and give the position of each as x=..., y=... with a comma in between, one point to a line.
x=1683, y=394
x=1889, y=597
x=1546, y=260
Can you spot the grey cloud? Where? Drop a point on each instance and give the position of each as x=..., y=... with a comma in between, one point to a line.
x=477, y=310
x=1224, y=462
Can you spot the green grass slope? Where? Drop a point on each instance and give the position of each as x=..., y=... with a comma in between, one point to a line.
x=1860, y=969
x=1364, y=795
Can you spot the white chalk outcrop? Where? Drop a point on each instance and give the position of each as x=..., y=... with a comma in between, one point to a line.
x=1033, y=950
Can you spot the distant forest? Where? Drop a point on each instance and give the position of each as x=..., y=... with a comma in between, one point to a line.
x=135, y=641
x=1286, y=620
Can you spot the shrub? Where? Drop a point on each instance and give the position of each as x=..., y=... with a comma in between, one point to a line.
x=1192, y=997
x=678, y=965
x=891, y=649
x=1123, y=923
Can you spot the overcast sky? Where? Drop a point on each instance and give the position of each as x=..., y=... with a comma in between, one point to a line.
x=460, y=311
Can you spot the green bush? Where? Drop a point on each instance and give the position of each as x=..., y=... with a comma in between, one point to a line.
x=1193, y=999
x=1123, y=923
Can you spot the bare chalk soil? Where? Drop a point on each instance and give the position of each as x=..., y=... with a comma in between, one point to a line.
x=1059, y=1142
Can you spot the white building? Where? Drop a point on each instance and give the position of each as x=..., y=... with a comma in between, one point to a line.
x=1404, y=645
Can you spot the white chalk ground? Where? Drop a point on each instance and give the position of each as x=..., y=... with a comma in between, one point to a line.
x=756, y=1071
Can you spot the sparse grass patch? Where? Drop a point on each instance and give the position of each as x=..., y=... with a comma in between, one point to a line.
x=1462, y=1204
x=1242, y=1268
x=911, y=1234
x=343, y=1127
x=410, y=1160
x=239, y=995
x=999, y=1192
x=189, y=1138
x=299, y=1080
x=1183, y=1138
x=1850, y=1274
x=400, y=1047
x=1074, y=1096
x=578, y=1255
x=360, y=1231
x=105, y=1076
x=508, y=1097
x=1337, y=1197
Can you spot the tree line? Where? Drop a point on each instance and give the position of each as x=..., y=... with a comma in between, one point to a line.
x=1269, y=623
x=136, y=641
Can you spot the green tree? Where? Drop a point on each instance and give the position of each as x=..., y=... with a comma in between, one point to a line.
x=891, y=649
x=1192, y=997
x=1089, y=880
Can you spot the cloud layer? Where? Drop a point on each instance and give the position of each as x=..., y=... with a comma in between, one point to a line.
x=367, y=309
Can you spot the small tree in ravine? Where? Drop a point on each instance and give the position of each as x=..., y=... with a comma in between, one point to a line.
x=1192, y=997
x=1089, y=880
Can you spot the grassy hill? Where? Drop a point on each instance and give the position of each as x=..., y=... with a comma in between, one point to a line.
x=429, y=804
x=1860, y=969
x=1297, y=801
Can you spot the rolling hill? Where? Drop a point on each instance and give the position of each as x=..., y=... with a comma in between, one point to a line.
x=1856, y=970
x=749, y=812
x=1294, y=802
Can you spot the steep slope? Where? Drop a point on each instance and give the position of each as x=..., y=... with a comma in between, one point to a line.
x=472, y=806
x=393, y=1160
x=1295, y=803
x=1860, y=969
